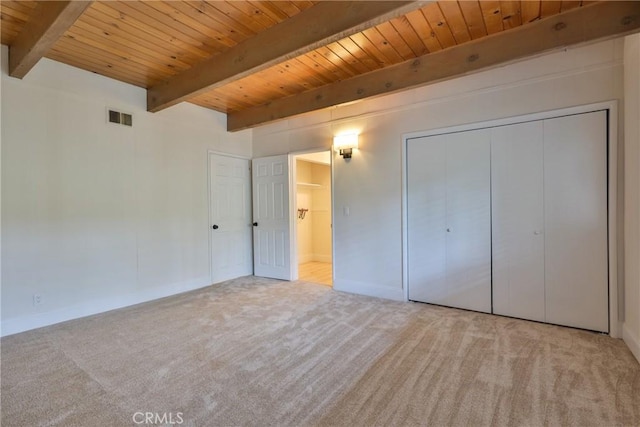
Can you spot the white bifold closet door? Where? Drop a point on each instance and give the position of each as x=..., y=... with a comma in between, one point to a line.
x=517, y=200
x=449, y=223
x=549, y=221
x=575, y=206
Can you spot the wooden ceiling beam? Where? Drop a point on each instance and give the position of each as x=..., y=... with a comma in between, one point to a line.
x=596, y=21
x=50, y=20
x=324, y=23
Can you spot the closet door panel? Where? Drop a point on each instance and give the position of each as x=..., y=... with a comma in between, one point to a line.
x=576, y=266
x=449, y=238
x=518, y=220
x=468, y=249
x=426, y=212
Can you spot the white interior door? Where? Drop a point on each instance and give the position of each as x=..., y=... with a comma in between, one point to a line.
x=229, y=217
x=518, y=220
x=271, y=218
x=449, y=220
x=575, y=200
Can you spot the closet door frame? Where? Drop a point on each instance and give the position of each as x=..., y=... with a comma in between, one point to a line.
x=612, y=187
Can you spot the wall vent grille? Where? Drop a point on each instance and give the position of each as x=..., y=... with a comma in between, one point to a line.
x=117, y=117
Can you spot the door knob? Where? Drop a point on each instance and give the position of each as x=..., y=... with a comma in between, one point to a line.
x=448, y=230
x=255, y=224
x=215, y=226
x=537, y=232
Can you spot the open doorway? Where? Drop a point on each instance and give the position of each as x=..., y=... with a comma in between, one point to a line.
x=313, y=217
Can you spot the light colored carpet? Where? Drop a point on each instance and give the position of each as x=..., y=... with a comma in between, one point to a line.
x=259, y=352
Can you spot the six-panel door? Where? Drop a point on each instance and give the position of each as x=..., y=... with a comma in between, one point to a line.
x=230, y=217
x=271, y=213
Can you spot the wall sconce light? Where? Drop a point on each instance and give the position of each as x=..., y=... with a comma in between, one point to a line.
x=345, y=144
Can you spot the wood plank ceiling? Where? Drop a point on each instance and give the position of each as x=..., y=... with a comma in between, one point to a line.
x=146, y=43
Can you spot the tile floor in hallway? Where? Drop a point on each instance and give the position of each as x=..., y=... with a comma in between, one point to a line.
x=316, y=272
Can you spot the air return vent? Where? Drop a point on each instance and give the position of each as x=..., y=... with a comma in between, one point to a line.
x=120, y=118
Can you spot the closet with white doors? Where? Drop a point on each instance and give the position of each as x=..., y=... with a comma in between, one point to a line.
x=512, y=220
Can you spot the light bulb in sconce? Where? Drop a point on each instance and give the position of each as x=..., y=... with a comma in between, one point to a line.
x=344, y=144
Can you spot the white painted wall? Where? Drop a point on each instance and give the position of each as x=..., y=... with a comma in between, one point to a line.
x=321, y=213
x=631, y=327
x=368, y=242
x=94, y=215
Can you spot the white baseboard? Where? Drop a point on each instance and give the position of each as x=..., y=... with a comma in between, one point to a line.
x=38, y=320
x=633, y=342
x=368, y=289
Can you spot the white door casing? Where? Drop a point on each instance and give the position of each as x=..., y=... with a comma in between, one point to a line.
x=271, y=217
x=229, y=217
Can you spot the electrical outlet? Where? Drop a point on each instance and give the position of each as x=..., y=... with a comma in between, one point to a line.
x=37, y=299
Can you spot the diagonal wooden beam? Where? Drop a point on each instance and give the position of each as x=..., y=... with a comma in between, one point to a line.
x=597, y=21
x=317, y=26
x=48, y=23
